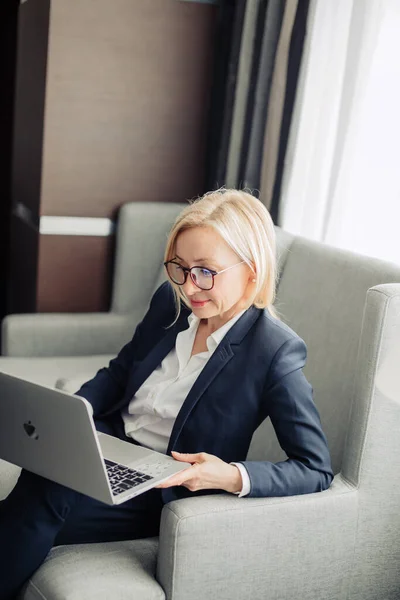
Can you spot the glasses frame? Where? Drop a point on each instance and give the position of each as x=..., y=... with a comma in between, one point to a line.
x=188, y=271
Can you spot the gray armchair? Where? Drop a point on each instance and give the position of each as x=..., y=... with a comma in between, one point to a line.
x=343, y=543
x=77, y=345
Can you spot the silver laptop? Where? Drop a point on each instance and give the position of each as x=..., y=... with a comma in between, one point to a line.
x=52, y=433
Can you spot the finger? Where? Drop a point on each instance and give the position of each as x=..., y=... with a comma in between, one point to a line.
x=186, y=457
x=178, y=479
x=168, y=483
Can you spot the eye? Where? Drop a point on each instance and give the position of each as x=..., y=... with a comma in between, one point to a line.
x=205, y=272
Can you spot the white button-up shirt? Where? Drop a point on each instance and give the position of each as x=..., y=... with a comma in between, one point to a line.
x=150, y=415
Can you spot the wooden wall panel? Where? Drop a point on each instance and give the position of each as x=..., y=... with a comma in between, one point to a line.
x=127, y=96
x=74, y=273
x=120, y=115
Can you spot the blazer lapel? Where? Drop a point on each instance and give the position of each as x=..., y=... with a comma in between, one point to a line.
x=152, y=360
x=218, y=360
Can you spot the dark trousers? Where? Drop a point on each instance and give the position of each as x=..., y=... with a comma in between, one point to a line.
x=39, y=514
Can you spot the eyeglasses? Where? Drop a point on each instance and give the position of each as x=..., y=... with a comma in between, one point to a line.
x=203, y=278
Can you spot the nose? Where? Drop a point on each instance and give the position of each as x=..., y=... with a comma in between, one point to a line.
x=189, y=287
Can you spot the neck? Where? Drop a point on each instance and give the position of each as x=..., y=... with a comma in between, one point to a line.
x=213, y=323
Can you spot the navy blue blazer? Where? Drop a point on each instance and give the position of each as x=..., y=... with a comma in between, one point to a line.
x=254, y=373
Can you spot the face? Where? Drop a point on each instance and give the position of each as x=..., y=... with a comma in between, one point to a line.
x=202, y=246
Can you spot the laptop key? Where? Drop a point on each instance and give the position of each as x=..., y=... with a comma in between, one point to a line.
x=124, y=486
x=130, y=482
x=123, y=478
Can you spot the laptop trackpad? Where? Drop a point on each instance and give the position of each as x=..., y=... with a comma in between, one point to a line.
x=122, y=452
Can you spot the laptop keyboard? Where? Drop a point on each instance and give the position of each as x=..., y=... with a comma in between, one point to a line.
x=122, y=478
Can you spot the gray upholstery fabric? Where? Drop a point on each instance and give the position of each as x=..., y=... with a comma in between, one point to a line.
x=116, y=570
x=48, y=371
x=340, y=544
x=143, y=229
x=377, y=371
x=284, y=241
x=67, y=334
x=372, y=454
x=258, y=548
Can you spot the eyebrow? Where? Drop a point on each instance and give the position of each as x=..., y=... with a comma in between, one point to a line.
x=199, y=260
x=196, y=259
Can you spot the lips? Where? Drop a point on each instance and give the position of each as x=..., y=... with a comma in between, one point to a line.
x=198, y=304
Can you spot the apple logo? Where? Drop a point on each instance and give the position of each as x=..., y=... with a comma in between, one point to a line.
x=31, y=430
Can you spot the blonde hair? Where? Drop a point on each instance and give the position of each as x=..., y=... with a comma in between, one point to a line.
x=246, y=226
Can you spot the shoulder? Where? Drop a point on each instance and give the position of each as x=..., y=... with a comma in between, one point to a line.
x=278, y=332
x=285, y=349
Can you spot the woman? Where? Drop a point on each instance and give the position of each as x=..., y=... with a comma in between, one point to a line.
x=208, y=363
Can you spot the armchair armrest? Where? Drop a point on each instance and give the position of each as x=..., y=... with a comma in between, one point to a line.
x=58, y=334
x=225, y=547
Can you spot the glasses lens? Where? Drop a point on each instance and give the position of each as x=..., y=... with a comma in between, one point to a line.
x=202, y=278
x=176, y=273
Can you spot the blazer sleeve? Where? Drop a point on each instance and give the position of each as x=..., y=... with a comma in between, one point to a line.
x=109, y=384
x=288, y=401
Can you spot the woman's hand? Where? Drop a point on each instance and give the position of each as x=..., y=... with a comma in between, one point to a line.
x=207, y=472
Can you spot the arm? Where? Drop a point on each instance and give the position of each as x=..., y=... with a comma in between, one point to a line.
x=288, y=401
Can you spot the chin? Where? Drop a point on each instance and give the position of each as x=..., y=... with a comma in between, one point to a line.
x=205, y=312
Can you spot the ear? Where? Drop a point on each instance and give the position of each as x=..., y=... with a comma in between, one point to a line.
x=253, y=275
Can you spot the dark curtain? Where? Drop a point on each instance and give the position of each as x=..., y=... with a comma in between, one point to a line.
x=266, y=42
x=241, y=92
x=228, y=34
x=295, y=54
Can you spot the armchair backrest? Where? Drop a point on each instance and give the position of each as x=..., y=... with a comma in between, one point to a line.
x=142, y=231
x=322, y=294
